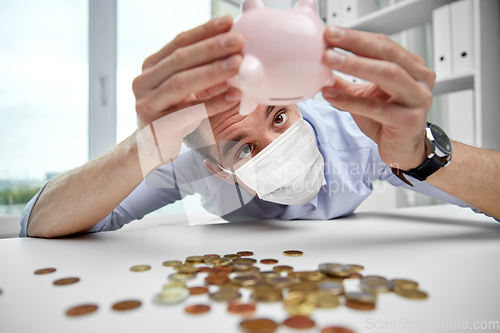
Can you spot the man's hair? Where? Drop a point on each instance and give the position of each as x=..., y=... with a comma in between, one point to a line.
x=196, y=142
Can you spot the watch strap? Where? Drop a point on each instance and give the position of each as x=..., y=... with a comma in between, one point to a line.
x=427, y=168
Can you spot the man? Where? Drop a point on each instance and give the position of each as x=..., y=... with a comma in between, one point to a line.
x=386, y=124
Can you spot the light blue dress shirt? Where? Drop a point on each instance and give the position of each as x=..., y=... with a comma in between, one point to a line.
x=352, y=163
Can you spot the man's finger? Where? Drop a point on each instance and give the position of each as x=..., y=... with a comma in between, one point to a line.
x=379, y=46
x=197, y=54
x=207, y=30
x=389, y=76
x=373, y=108
x=177, y=87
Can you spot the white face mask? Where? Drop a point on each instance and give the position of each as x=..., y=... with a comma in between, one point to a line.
x=289, y=170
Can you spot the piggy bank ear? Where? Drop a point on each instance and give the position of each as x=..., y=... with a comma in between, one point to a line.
x=252, y=4
x=306, y=5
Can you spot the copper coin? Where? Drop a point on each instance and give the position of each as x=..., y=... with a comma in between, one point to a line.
x=197, y=309
x=336, y=329
x=126, y=305
x=299, y=322
x=64, y=282
x=212, y=256
x=355, y=275
x=293, y=253
x=193, y=291
x=269, y=261
x=217, y=279
x=245, y=253
x=204, y=269
x=259, y=326
x=81, y=310
x=359, y=305
x=45, y=271
x=221, y=270
x=241, y=308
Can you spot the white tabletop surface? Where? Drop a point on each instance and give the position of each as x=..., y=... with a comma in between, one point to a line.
x=453, y=253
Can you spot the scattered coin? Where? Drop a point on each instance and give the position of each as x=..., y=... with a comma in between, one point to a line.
x=333, y=288
x=217, y=280
x=186, y=269
x=211, y=256
x=283, y=269
x=269, y=261
x=140, y=268
x=293, y=253
x=81, y=310
x=324, y=300
x=359, y=305
x=354, y=275
x=181, y=277
x=412, y=294
x=299, y=322
x=403, y=284
x=241, y=308
x=268, y=275
x=232, y=256
x=267, y=294
x=66, y=281
x=193, y=291
x=259, y=326
x=197, y=309
x=215, y=260
x=334, y=269
x=245, y=280
x=172, y=295
x=172, y=284
x=45, y=271
x=249, y=261
x=245, y=253
x=280, y=282
x=126, y=305
x=336, y=329
x=204, y=269
x=361, y=297
x=172, y=263
x=375, y=284
x=299, y=303
x=355, y=268
x=225, y=295
x=195, y=259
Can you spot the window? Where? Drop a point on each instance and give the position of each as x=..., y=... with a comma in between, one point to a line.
x=43, y=94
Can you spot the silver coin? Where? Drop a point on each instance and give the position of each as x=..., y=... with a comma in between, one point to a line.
x=335, y=269
x=332, y=287
x=377, y=284
x=361, y=297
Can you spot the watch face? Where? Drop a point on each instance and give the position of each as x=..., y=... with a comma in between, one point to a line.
x=441, y=140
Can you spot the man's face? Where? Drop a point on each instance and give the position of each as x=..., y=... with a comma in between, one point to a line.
x=239, y=138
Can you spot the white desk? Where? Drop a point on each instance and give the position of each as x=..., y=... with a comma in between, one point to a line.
x=454, y=256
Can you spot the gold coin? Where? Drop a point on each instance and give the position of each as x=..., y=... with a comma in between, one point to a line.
x=412, y=294
x=298, y=303
x=304, y=286
x=403, y=284
x=126, y=305
x=325, y=300
x=242, y=267
x=215, y=260
x=225, y=295
x=334, y=269
x=268, y=274
x=172, y=295
x=246, y=280
x=267, y=294
x=259, y=326
x=375, y=284
x=355, y=268
x=172, y=284
x=249, y=261
x=293, y=253
x=283, y=269
x=172, y=263
x=140, y=268
x=181, y=277
x=332, y=288
x=307, y=275
x=279, y=282
x=195, y=259
x=232, y=256
x=186, y=269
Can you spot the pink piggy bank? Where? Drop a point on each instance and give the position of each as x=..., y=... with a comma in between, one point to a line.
x=282, y=55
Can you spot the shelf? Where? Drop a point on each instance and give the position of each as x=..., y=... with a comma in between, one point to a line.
x=453, y=83
x=401, y=16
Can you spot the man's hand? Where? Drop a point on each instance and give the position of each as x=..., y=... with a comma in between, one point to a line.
x=191, y=69
x=392, y=110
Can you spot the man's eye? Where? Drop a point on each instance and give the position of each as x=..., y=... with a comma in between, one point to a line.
x=247, y=150
x=280, y=119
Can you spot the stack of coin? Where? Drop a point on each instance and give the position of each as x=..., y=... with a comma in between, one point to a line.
x=408, y=289
x=375, y=284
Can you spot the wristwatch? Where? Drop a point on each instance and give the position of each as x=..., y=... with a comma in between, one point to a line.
x=439, y=149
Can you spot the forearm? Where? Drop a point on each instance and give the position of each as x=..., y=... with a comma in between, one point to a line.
x=78, y=199
x=472, y=177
